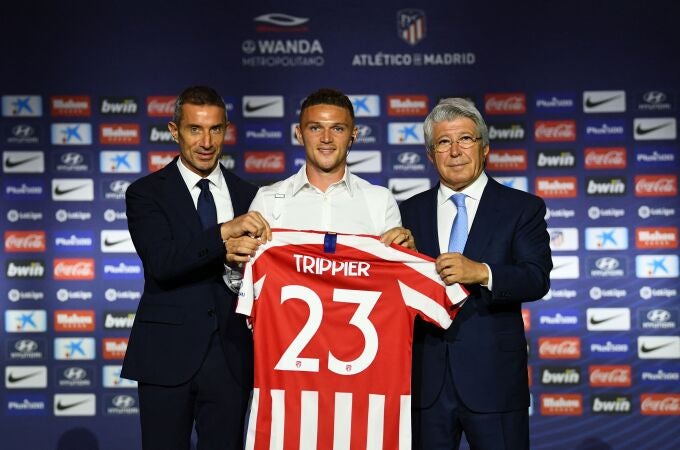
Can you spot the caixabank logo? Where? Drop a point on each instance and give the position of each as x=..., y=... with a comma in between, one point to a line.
x=22, y=106
x=25, y=321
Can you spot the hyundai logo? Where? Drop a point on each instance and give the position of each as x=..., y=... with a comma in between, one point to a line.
x=26, y=346
x=75, y=373
x=659, y=315
x=123, y=401
x=607, y=263
x=119, y=186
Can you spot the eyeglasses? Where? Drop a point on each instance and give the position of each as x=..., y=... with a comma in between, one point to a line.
x=444, y=144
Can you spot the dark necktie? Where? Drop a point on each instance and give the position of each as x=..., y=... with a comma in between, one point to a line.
x=459, y=230
x=206, y=204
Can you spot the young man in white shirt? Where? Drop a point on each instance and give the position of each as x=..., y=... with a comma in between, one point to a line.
x=324, y=195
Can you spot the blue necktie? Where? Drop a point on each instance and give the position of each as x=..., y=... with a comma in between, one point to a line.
x=459, y=229
x=206, y=204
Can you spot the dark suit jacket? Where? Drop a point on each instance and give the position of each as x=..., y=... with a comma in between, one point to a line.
x=184, y=299
x=485, y=346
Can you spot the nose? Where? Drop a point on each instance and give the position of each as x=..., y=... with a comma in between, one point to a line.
x=206, y=140
x=326, y=136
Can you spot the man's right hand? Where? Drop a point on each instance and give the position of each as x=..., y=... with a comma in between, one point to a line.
x=243, y=235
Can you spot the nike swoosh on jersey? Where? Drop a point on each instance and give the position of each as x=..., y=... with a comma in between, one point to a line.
x=594, y=321
x=61, y=406
x=592, y=104
x=252, y=108
x=10, y=164
x=12, y=379
x=59, y=191
x=640, y=130
x=645, y=349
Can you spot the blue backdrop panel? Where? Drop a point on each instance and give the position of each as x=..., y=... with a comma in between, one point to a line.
x=581, y=99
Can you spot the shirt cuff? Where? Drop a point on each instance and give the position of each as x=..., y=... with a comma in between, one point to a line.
x=489, y=285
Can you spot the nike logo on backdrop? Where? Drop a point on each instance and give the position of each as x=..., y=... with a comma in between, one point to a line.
x=112, y=243
x=595, y=321
x=593, y=103
x=354, y=163
x=62, y=406
x=13, y=379
x=61, y=191
x=640, y=130
x=10, y=164
x=252, y=108
x=645, y=349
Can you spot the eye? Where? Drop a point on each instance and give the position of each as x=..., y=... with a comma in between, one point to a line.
x=444, y=142
x=217, y=130
x=339, y=129
x=466, y=140
x=194, y=130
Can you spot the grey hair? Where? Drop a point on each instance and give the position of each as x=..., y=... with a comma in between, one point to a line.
x=449, y=109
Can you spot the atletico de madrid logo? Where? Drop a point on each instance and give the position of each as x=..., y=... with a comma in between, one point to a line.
x=411, y=25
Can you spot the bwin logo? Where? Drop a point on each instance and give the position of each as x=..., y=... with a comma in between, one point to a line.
x=26, y=346
x=607, y=263
x=119, y=186
x=75, y=373
x=658, y=315
x=408, y=158
x=123, y=401
x=72, y=158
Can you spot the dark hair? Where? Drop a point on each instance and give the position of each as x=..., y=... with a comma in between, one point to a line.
x=328, y=96
x=198, y=95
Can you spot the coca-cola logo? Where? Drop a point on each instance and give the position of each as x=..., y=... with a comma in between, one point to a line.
x=559, y=348
x=264, y=162
x=24, y=241
x=610, y=376
x=555, y=131
x=73, y=269
x=160, y=106
x=605, y=158
x=514, y=103
x=660, y=404
x=656, y=185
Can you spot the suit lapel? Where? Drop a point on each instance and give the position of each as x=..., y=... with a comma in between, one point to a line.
x=178, y=197
x=430, y=244
x=239, y=202
x=487, y=218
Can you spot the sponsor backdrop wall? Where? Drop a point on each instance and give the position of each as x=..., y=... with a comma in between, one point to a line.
x=582, y=104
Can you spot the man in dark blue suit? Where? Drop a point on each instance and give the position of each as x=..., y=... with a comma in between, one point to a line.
x=188, y=350
x=472, y=378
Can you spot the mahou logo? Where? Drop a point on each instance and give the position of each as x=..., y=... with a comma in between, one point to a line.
x=555, y=130
x=656, y=237
x=559, y=348
x=597, y=158
x=556, y=187
x=74, y=320
x=119, y=133
x=656, y=185
x=70, y=106
x=114, y=348
x=160, y=106
x=507, y=160
x=158, y=160
x=265, y=162
x=610, y=376
x=667, y=404
x=74, y=269
x=24, y=241
x=561, y=404
x=505, y=103
x=407, y=105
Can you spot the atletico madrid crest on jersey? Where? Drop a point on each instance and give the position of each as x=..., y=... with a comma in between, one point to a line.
x=333, y=329
x=411, y=25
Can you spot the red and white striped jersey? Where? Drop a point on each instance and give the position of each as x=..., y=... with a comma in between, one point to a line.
x=332, y=319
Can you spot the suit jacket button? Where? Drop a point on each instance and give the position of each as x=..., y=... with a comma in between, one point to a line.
x=211, y=312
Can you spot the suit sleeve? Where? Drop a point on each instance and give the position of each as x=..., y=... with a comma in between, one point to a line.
x=170, y=252
x=527, y=277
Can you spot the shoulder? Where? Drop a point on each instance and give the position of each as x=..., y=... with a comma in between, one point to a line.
x=420, y=200
x=234, y=180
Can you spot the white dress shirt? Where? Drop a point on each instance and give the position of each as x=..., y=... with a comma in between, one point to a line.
x=351, y=205
x=218, y=188
x=446, y=211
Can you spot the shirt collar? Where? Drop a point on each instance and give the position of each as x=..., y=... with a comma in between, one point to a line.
x=473, y=191
x=300, y=180
x=191, y=178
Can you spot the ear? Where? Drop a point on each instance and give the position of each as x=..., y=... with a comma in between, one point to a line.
x=298, y=135
x=174, y=131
